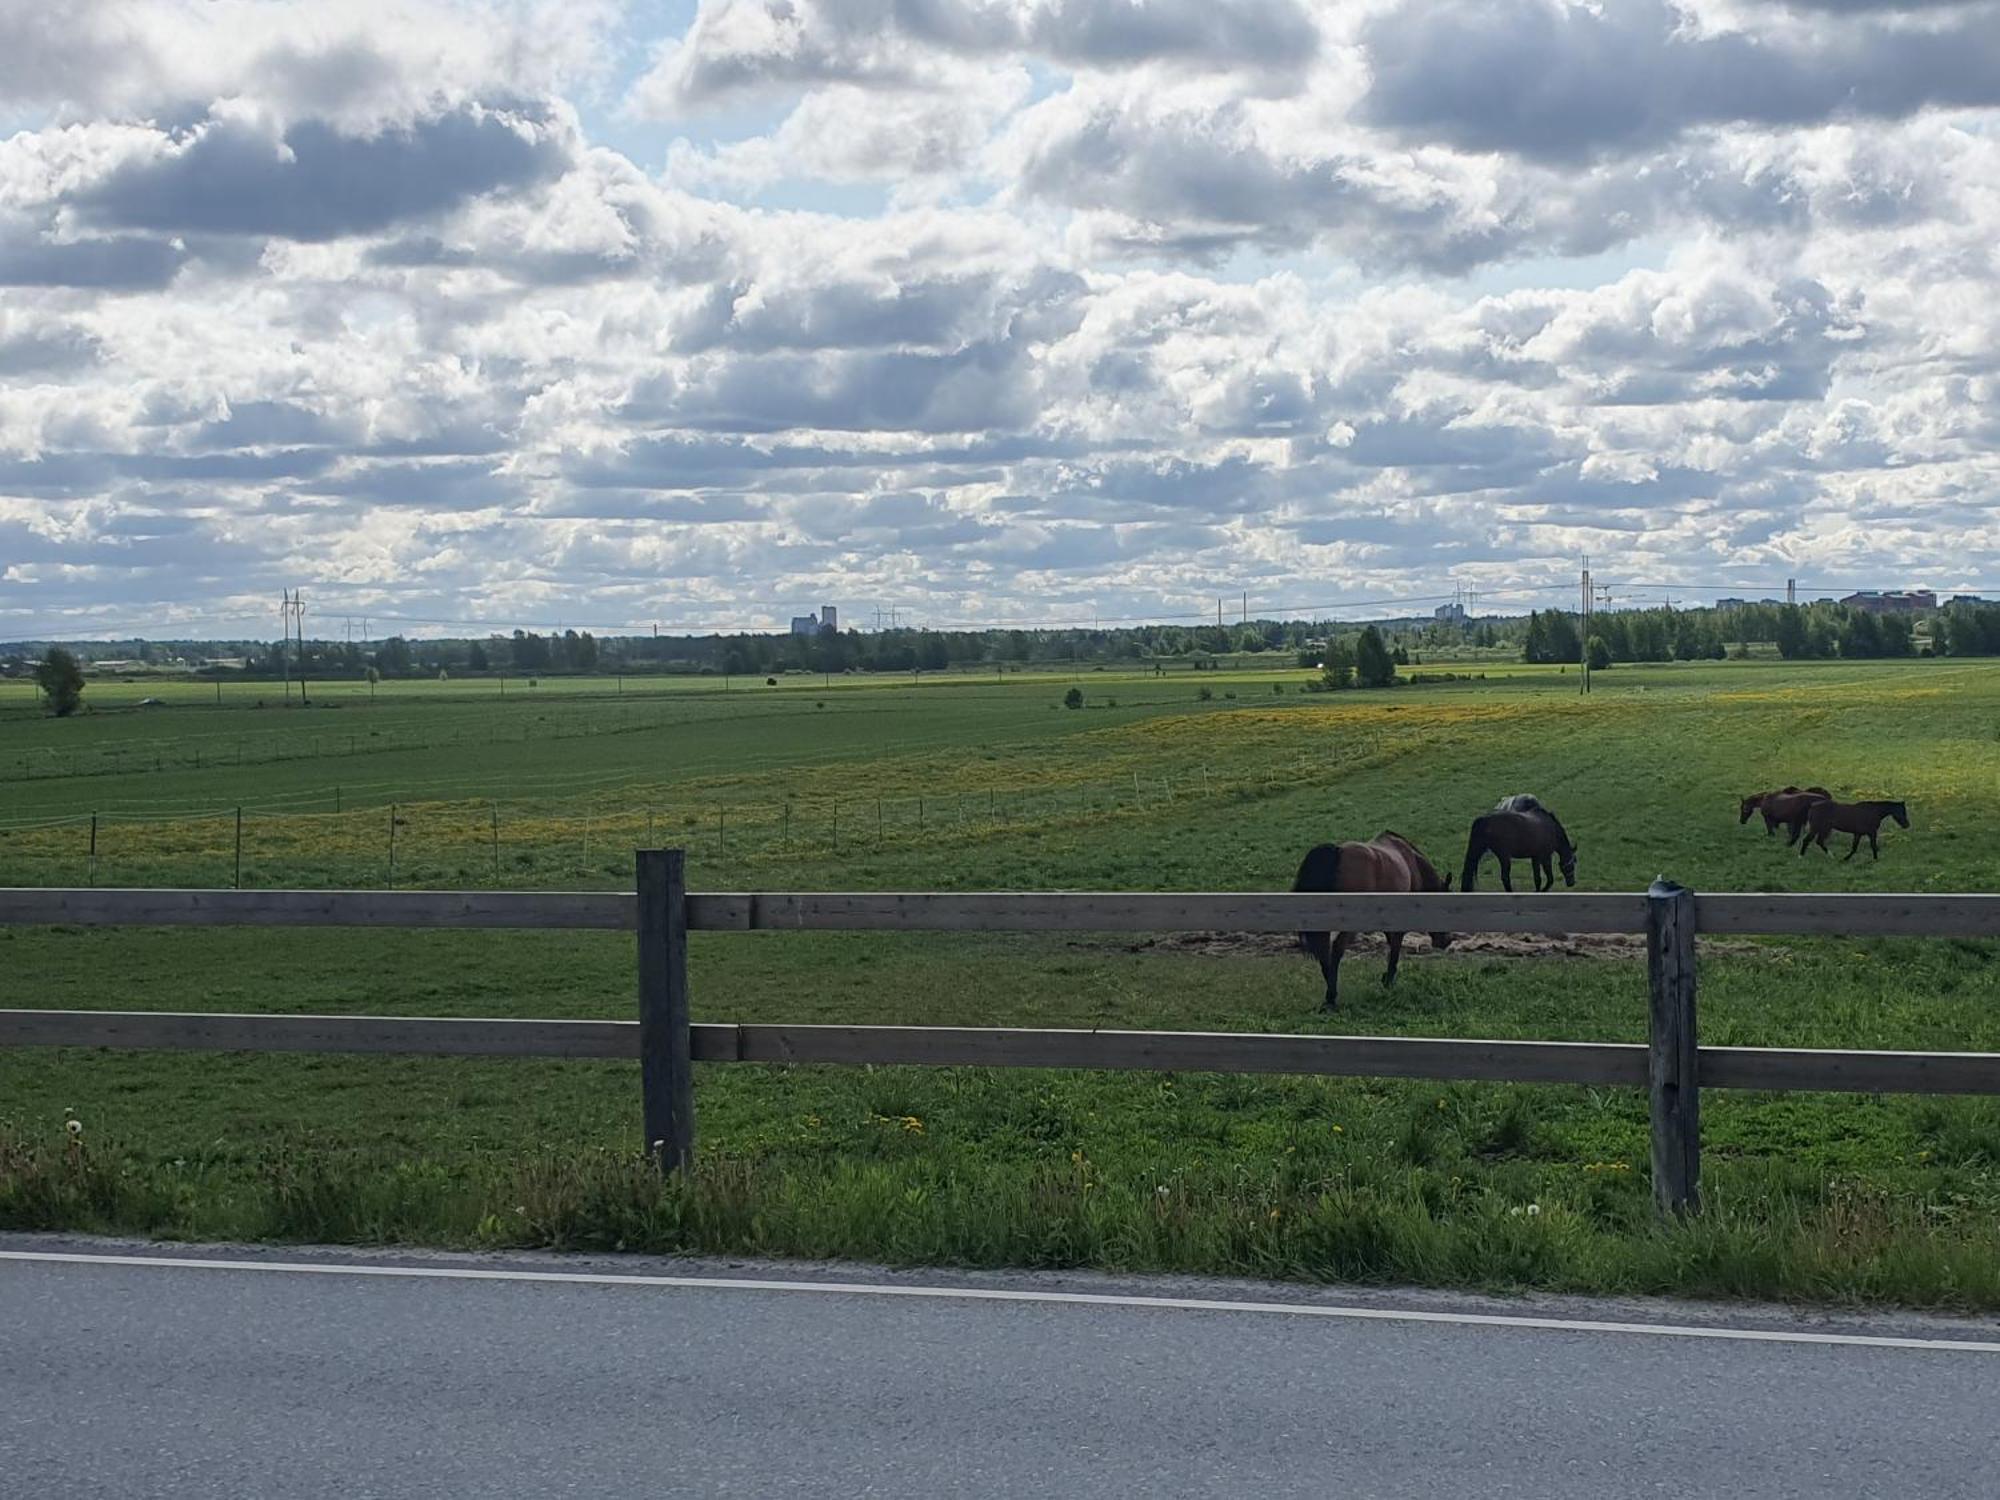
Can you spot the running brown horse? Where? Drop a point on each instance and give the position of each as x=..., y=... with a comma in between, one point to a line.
x=1862, y=819
x=1787, y=806
x=1519, y=828
x=1387, y=862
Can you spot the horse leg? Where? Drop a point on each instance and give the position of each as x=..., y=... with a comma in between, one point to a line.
x=1792, y=831
x=1853, y=848
x=1330, y=966
x=1545, y=873
x=1770, y=825
x=1395, y=955
x=1874, y=847
x=1506, y=874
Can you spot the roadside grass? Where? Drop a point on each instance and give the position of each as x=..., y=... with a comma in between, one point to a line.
x=1807, y=1196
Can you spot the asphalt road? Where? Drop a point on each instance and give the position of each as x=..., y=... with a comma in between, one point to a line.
x=152, y=1380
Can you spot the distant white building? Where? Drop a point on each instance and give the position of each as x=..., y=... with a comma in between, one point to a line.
x=824, y=623
x=1449, y=614
x=829, y=619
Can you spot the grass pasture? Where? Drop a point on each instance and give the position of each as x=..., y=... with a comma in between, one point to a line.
x=984, y=783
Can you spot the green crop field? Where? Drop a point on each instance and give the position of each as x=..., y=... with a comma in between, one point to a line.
x=1210, y=780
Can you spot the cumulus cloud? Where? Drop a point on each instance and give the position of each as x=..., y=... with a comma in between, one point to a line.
x=752, y=46
x=1560, y=80
x=312, y=182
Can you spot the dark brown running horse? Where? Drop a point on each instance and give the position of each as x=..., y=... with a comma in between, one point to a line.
x=1519, y=828
x=1387, y=862
x=1862, y=819
x=1787, y=807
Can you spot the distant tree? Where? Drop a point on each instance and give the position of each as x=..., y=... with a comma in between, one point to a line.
x=1373, y=665
x=61, y=682
x=476, y=658
x=1600, y=653
x=393, y=657
x=530, y=651
x=583, y=652
x=1337, y=670
x=1790, y=632
x=1073, y=698
x=1535, y=645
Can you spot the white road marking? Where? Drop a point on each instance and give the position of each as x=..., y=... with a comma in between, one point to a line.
x=1001, y=1294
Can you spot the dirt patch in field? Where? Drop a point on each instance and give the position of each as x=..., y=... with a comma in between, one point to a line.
x=1621, y=945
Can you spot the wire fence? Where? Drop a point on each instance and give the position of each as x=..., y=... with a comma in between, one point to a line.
x=498, y=844
x=274, y=746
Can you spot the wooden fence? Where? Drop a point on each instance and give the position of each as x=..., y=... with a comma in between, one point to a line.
x=661, y=911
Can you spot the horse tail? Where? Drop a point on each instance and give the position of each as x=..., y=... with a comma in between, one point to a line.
x=1318, y=871
x=1475, y=850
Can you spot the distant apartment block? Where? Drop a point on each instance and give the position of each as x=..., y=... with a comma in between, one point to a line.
x=1878, y=602
x=1449, y=614
x=826, y=622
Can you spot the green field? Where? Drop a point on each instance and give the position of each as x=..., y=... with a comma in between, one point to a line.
x=987, y=781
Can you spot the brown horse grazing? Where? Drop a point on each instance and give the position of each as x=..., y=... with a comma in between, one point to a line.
x=1519, y=828
x=1387, y=862
x=1862, y=819
x=1788, y=807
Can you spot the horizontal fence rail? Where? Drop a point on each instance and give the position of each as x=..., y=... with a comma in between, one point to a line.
x=1738, y=915
x=1598, y=1064
x=661, y=912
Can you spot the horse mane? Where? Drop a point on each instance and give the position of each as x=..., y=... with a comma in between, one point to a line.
x=1528, y=802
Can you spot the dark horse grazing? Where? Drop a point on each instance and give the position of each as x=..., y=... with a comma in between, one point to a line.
x=1387, y=862
x=1788, y=806
x=1519, y=828
x=1862, y=819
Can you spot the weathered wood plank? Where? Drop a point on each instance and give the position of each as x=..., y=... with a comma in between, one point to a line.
x=1596, y=1063
x=1163, y=911
x=1891, y=914
x=666, y=1077
x=1671, y=1075
x=1883, y=914
x=1600, y=1063
x=435, y=1036
x=591, y=910
x=1849, y=1072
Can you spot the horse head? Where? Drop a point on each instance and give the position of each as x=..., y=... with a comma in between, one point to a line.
x=1567, y=856
x=1748, y=806
x=1900, y=813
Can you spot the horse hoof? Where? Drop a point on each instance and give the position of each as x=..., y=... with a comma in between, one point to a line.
x=1328, y=1007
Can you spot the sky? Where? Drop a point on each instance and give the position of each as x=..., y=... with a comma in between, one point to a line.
x=461, y=314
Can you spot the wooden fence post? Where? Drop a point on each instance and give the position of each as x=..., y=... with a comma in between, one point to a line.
x=666, y=1074
x=1671, y=1065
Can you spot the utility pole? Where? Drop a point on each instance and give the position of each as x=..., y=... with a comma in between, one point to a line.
x=1246, y=606
x=299, y=615
x=1583, y=626
x=285, y=651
